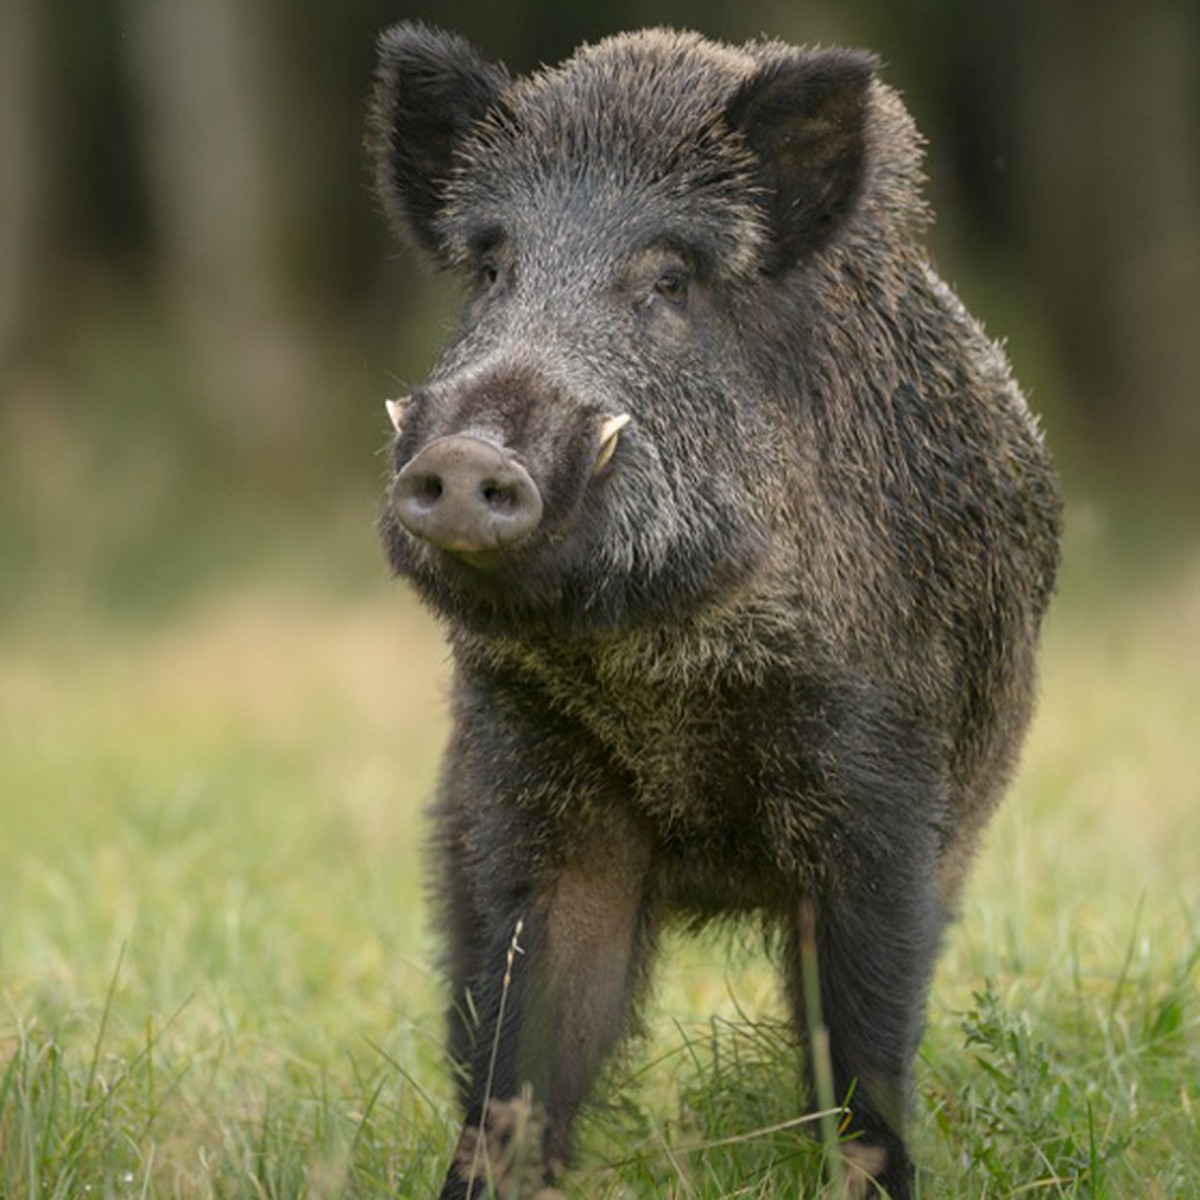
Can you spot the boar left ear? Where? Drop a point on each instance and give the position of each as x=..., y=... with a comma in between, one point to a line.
x=805, y=120
x=431, y=88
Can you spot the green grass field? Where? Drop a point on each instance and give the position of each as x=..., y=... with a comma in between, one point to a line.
x=215, y=977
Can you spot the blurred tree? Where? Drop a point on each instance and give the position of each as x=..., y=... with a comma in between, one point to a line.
x=1108, y=112
x=213, y=102
x=22, y=139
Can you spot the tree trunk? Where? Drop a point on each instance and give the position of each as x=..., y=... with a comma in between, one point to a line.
x=21, y=175
x=1111, y=119
x=212, y=97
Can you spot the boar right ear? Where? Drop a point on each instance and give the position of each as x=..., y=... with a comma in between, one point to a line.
x=804, y=118
x=430, y=89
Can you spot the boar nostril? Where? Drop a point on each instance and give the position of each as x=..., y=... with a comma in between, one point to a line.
x=500, y=497
x=428, y=490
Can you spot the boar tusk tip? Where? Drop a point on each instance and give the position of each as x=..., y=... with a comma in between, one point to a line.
x=395, y=411
x=609, y=432
x=613, y=425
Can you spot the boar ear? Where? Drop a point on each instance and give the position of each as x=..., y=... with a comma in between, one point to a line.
x=805, y=121
x=430, y=89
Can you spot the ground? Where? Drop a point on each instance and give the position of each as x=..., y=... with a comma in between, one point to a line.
x=216, y=978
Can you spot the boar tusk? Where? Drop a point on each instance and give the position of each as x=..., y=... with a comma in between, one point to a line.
x=395, y=411
x=609, y=432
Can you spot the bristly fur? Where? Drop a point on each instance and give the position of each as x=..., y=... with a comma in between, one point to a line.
x=779, y=651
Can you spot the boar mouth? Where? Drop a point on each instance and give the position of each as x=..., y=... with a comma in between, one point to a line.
x=481, y=560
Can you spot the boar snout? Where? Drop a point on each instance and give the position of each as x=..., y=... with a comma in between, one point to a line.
x=467, y=495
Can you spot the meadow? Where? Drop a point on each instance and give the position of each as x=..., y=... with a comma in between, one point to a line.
x=216, y=978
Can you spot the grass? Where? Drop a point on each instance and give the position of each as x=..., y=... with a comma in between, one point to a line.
x=215, y=979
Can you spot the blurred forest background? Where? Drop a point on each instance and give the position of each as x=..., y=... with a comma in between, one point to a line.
x=201, y=311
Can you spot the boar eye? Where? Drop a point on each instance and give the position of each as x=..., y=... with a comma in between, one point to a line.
x=489, y=273
x=672, y=285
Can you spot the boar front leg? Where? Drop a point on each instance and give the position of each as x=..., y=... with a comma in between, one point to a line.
x=864, y=928
x=871, y=940
x=549, y=934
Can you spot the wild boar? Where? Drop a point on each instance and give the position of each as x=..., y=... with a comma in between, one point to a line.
x=742, y=534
